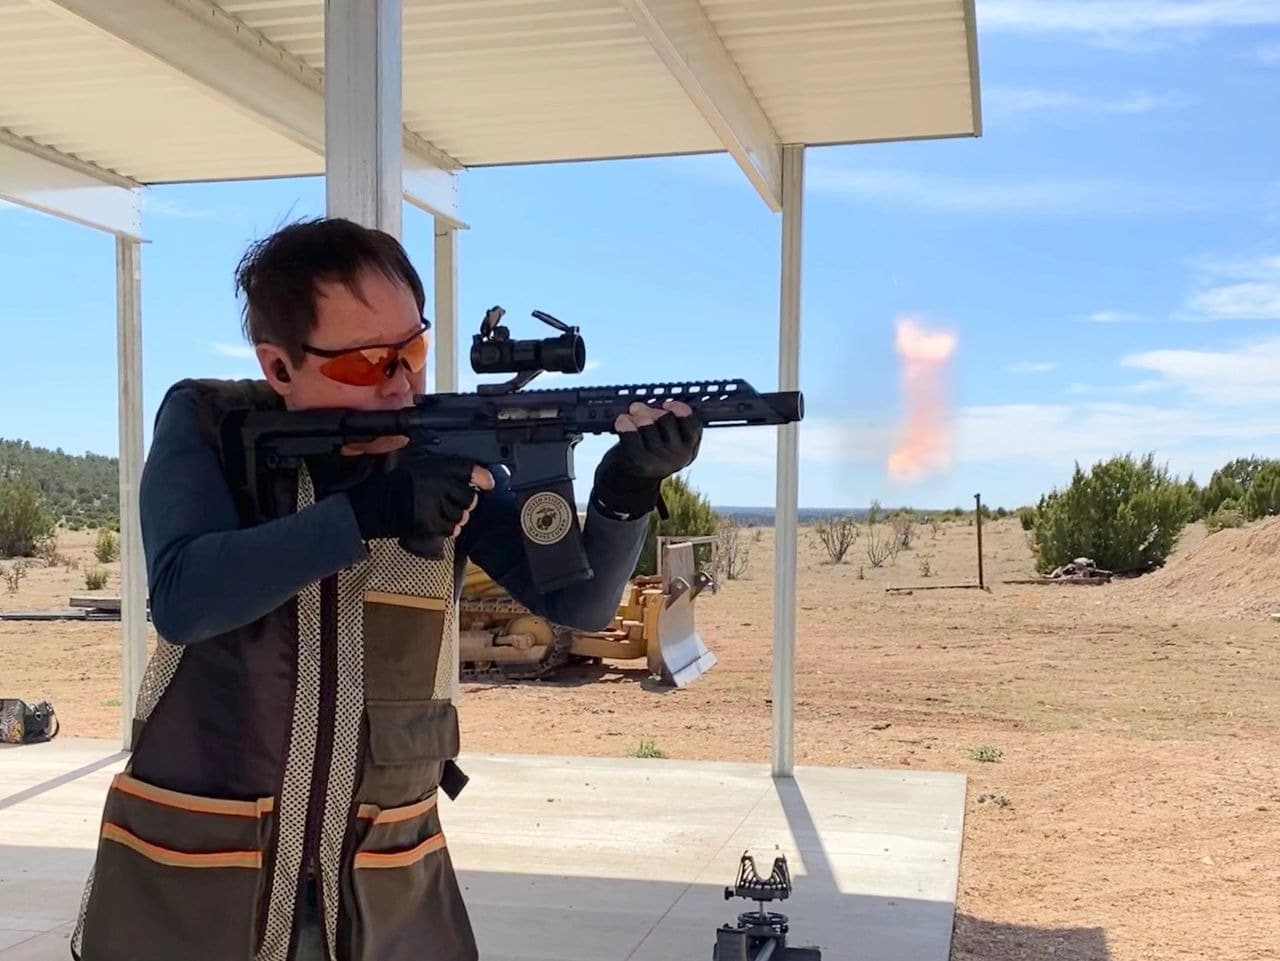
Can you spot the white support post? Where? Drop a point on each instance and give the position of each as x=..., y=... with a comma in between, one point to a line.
x=133, y=574
x=787, y=499
x=445, y=321
x=364, y=132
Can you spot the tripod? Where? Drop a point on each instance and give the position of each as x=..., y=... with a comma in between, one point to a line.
x=760, y=935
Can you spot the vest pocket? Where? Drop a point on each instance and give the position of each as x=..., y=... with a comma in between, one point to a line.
x=409, y=741
x=177, y=876
x=401, y=636
x=406, y=901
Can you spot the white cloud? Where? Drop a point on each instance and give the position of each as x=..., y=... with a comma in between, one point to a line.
x=1111, y=17
x=1150, y=386
x=1231, y=377
x=234, y=350
x=1239, y=290
x=1032, y=367
x=1088, y=432
x=942, y=194
x=159, y=207
x=1113, y=317
x=1010, y=101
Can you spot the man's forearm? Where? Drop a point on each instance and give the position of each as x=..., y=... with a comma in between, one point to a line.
x=224, y=579
x=612, y=547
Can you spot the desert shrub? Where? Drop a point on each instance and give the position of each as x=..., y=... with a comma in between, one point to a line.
x=904, y=527
x=95, y=578
x=1232, y=481
x=1262, y=499
x=1027, y=518
x=691, y=515
x=49, y=553
x=107, y=547
x=25, y=526
x=1196, y=493
x=13, y=575
x=732, y=549
x=881, y=545
x=837, y=535
x=926, y=565
x=1124, y=514
x=1227, y=515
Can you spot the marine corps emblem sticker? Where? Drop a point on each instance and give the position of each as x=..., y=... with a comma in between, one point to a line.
x=546, y=517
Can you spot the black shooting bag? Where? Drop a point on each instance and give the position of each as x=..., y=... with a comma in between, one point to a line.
x=21, y=723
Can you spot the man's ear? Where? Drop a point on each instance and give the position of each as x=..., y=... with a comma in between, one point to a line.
x=275, y=368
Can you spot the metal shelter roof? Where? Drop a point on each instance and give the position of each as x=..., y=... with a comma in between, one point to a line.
x=162, y=91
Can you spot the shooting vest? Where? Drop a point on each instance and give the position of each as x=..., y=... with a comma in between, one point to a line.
x=305, y=748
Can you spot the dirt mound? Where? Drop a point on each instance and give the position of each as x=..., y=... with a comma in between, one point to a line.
x=1233, y=573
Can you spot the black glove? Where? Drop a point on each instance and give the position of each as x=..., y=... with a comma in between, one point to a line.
x=628, y=482
x=418, y=496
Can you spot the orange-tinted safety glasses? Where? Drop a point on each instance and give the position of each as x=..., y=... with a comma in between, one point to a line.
x=372, y=364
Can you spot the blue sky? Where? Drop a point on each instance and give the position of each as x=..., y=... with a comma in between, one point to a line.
x=1106, y=256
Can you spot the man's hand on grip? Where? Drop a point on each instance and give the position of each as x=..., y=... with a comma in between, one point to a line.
x=422, y=496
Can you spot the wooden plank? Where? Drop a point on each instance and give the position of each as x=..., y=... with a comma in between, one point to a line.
x=934, y=587
x=100, y=603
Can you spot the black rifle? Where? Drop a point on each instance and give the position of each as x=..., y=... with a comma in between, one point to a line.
x=530, y=433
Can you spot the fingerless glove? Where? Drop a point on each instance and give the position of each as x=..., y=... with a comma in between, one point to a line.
x=422, y=495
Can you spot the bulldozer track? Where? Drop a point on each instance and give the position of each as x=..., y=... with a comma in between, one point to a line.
x=555, y=657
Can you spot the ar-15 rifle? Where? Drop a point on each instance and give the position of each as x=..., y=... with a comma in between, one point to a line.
x=530, y=433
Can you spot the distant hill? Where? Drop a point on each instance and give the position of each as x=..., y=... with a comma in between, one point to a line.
x=81, y=490
x=763, y=516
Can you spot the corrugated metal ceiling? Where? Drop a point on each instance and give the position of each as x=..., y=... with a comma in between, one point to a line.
x=67, y=86
x=502, y=81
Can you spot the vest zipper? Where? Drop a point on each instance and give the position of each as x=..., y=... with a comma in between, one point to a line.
x=324, y=749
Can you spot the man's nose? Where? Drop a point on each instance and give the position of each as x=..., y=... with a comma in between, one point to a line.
x=398, y=382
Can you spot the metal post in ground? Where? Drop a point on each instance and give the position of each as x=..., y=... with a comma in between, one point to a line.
x=977, y=499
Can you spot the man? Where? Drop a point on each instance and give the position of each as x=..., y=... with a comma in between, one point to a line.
x=295, y=722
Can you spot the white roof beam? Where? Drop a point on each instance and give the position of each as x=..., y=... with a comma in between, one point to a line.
x=687, y=42
x=52, y=182
x=201, y=42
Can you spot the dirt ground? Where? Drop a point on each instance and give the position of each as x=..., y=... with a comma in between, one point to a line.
x=1122, y=747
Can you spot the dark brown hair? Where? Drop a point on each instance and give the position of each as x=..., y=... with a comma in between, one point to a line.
x=278, y=275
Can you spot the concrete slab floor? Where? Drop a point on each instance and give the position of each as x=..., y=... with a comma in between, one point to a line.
x=612, y=859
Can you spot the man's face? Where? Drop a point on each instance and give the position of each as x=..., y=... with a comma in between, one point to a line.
x=386, y=315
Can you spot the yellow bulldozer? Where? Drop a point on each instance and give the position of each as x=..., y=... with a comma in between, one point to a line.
x=499, y=638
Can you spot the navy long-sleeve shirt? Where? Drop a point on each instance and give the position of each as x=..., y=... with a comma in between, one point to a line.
x=208, y=574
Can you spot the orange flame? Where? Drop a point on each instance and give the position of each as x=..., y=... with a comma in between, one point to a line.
x=923, y=442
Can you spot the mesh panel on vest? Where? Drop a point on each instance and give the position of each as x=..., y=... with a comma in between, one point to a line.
x=77, y=936
x=160, y=671
x=396, y=571
x=392, y=569
x=296, y=788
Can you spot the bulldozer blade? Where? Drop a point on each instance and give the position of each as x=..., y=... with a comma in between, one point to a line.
x=679, y=657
